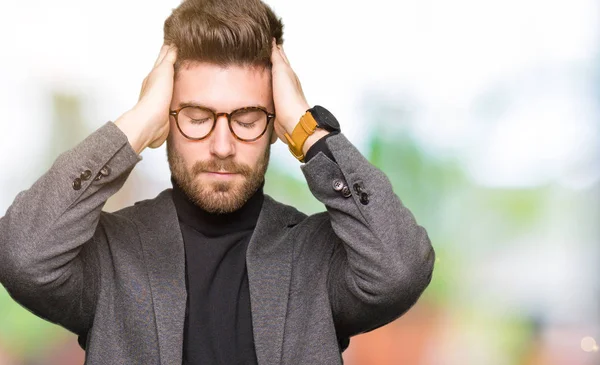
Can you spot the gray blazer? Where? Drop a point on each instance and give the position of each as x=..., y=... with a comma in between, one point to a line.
x=117, y=279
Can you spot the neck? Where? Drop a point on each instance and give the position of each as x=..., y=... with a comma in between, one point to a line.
x=214, y=225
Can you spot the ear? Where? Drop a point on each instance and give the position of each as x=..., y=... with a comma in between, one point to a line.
x=273, y=135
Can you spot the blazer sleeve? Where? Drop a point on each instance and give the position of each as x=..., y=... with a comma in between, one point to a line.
x=47, y=260
x=382, y=259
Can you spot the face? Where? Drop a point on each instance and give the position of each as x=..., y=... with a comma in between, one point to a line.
x=220, y=173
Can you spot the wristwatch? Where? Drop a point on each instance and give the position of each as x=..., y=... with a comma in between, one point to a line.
x=315, y=117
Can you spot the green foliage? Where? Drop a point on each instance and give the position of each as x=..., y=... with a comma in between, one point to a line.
x=281, y=186
x=23, y=334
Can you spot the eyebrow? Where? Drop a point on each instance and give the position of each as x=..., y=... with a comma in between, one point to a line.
x=186, y=104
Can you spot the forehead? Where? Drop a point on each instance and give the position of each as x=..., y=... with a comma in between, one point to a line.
x=223, y=88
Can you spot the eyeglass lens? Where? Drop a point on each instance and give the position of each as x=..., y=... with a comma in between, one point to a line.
x=246, y=124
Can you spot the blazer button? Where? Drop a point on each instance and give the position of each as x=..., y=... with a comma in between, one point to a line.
x=364, y=198
x=86, y=175
x=358, y=188
x=77, y=184
x=105, y=171
x=338, y=185
x=346, y=191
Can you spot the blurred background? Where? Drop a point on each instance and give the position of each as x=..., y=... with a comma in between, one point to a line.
x=484, y=114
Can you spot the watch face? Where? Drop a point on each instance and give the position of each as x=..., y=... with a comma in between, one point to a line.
x=325, y=119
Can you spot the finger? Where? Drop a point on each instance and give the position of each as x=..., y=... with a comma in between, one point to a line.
x=171, y=55
x=161, y=55
x=273, y=53
x=283, y=55
x=276, y=57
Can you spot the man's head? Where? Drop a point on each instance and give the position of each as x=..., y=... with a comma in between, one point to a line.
x=223, y=64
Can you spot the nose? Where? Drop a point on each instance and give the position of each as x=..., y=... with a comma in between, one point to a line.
x=221, y=139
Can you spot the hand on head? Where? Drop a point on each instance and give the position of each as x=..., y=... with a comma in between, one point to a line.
x=150, y=127
x=147, y=123
x=290, y=102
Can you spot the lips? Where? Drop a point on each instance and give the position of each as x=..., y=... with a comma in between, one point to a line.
x=221, y=174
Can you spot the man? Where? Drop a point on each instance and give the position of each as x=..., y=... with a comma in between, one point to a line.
x=213, y=271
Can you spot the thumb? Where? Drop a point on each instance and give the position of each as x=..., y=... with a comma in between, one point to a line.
x=171, y=57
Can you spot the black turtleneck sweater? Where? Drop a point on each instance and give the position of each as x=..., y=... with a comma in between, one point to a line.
x=218, y=321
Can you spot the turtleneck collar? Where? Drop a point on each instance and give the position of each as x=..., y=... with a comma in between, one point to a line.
x=214, y=225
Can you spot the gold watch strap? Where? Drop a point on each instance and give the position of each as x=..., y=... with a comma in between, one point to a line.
x=303, y=129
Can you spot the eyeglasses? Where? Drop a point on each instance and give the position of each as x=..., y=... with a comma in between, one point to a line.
x=246, y=124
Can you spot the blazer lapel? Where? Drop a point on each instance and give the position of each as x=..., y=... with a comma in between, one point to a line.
x=269, y=264
x=162, y=243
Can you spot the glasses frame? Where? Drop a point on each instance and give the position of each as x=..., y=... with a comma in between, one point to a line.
x=270, y=117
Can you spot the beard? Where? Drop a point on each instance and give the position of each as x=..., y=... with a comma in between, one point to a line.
x=218, y=197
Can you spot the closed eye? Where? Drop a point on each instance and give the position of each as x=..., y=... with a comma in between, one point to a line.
x=199, y=121
x=246, y=125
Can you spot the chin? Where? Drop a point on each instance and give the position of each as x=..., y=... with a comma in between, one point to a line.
x=218, y=197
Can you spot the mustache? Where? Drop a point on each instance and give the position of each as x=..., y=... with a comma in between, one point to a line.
x=227, y=165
